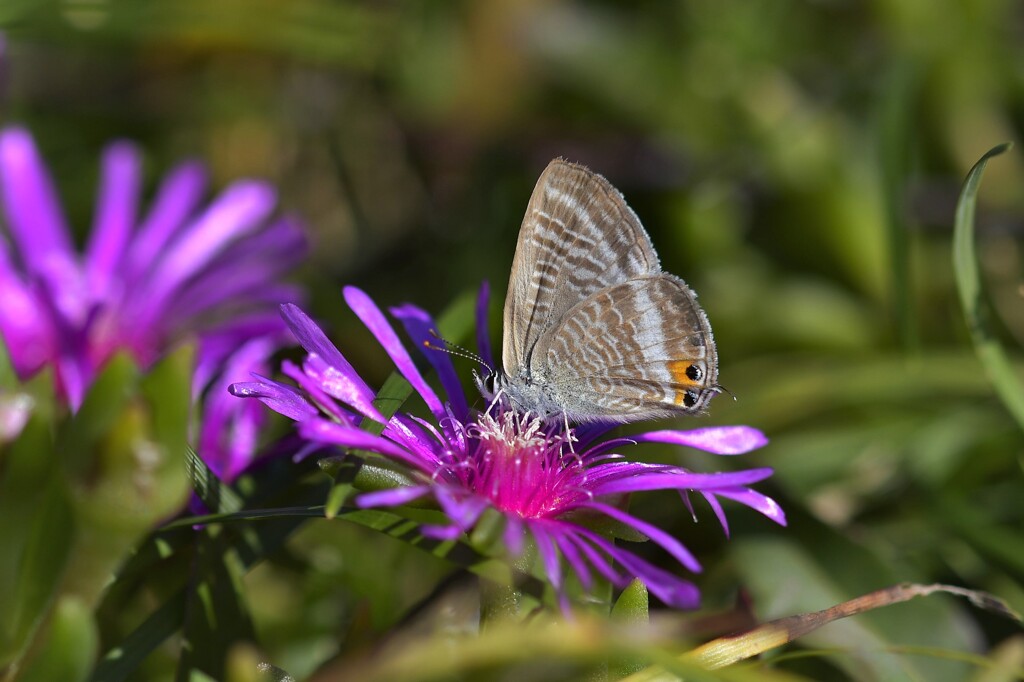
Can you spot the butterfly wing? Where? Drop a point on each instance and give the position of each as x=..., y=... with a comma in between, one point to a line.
x=636, y=350
x=578, y=237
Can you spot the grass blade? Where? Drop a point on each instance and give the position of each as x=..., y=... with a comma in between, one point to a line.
x=977, y=310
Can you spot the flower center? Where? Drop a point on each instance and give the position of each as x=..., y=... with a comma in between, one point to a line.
x=519, y=465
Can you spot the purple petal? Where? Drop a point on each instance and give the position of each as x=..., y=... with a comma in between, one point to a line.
x=304, y=450
x=596, y=559
x=74, y=375
x=548, y=556
x=176, y=200
x=314, y=393
x=281, y=398
x=238, y=211
x=404, y=430
x=613, y=468
x=463, y=512
x=669, y=588
x=756, y=500
x=457, y=434
x=115, y=215
x=681, y=481
x=719, y=440
x=514, y=535
x=330, y=381
x=674, y=591
x=684, y=495
x=283, y=240
x=393, y=497
x=324, y=431
x=38, y=228
x=443, y=533
x=716, y=506
x=605, y=446
x=371, y=316
x=229, y=434
x=669, y=543
x=573, y=557
x=419, y=326
x=483, y=329
x=312, y=338
x=33, y=210
x=246, y=271
x=24, y=324
x=218, y=345
x=230, y=427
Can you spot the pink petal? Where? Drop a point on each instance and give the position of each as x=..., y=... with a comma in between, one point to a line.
x=718, y=440
x=324, y=431
x=367, y=311
x=394, y=497
x=757, y=501
x=669, y=543
x=419, y=325
x=115, y=216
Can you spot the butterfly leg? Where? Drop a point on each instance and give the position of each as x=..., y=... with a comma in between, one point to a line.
x=494, y=401
x=569, y=436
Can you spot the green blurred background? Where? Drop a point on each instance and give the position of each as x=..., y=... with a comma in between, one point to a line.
x=798, y=163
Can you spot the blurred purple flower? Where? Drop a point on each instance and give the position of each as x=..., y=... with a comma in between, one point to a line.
x=143, y=284
x=513, y=463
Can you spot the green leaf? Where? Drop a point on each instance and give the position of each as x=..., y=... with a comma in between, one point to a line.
x=896, y=117
x=1000, y=545
x=630, y=611
x=123, y=659
x=28, y=479
x=977, y=311
x=8, y=379
x=167, y=389
x=137, y=472
x=218, y=497
x=70, y=646
x=103, y=406
x=41, y=565
x=251, y=543
x=632, y=605
x=216, y=616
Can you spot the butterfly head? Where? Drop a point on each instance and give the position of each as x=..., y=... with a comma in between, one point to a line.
x=489, y=384
x=518, y=393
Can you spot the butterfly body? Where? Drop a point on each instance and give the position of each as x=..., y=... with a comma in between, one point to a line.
x=594, y=329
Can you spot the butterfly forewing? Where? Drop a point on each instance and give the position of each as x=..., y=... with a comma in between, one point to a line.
x=642, y=348
x=578, y=237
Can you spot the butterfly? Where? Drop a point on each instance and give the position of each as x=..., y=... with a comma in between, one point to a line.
x=594, y=329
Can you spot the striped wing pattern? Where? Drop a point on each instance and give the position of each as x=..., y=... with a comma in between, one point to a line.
x=639, y=349
x=578, y=237
x=593, y=328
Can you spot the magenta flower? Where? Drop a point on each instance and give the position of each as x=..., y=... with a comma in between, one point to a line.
x=513, y=463
x=145, y=283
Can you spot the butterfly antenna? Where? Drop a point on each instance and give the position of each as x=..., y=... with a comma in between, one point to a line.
x=457, y=351
x=722, y=389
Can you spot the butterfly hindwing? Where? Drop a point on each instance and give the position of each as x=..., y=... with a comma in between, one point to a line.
x=642, y=348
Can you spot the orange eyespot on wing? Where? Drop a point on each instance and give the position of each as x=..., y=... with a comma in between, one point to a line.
x=685, y=373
